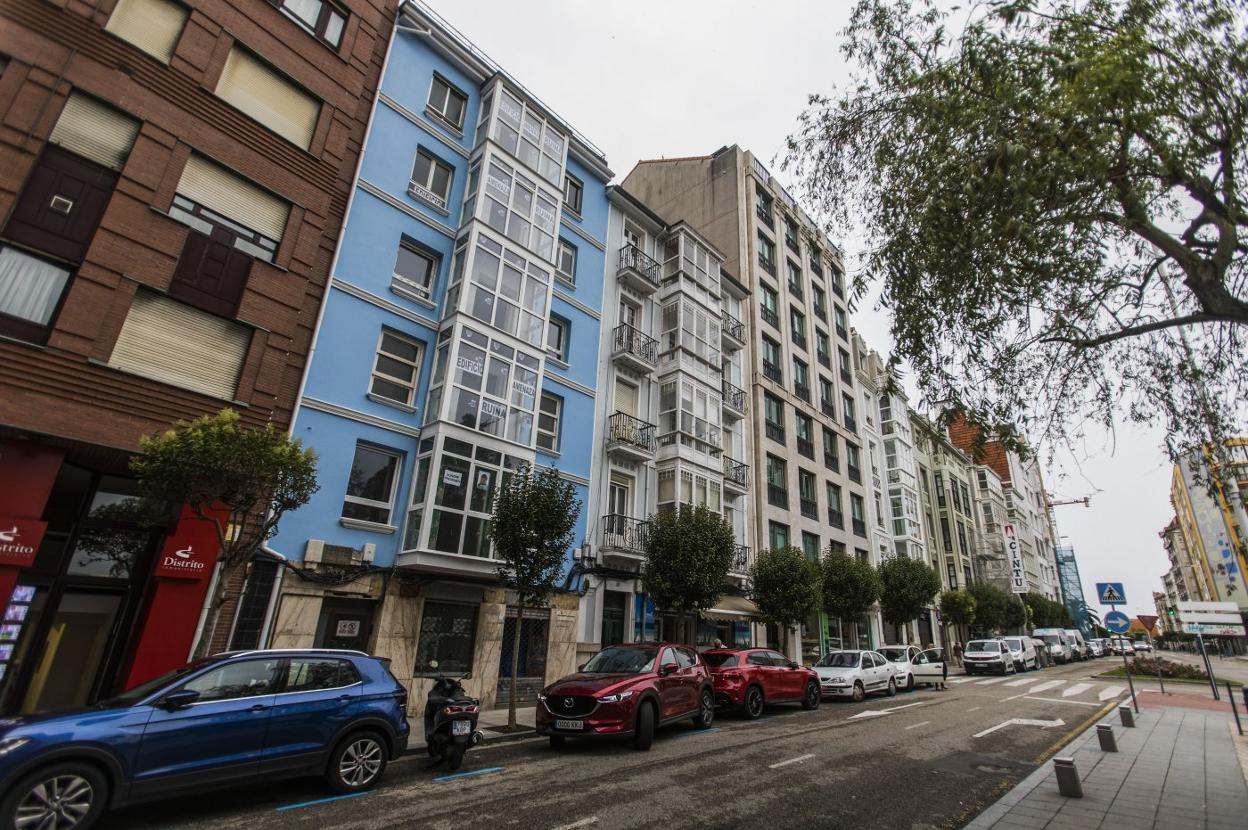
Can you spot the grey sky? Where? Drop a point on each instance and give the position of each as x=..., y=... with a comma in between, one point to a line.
x=644, y=79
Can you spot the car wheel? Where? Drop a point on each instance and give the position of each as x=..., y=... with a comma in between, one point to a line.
x=892, y=687
x=644, y=734
x=706, y=711
x=63, y=796
x=557, y=741
x=455, y=757
x=813, y=696
x=357, y=763
x=909, y=682
x=753, y=707
x=859, y=694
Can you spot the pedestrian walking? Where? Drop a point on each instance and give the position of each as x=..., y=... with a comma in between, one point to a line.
x=957, y=652
x=719, y=643
x=944, y=675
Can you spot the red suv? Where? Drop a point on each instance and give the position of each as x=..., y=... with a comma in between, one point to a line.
x=749, y=678
x=628, y=691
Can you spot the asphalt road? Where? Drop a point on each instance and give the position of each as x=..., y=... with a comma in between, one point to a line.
x=922, y=759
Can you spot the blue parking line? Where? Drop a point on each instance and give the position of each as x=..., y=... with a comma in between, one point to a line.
x=320, y=801
x=475, y=772
x=696, y=732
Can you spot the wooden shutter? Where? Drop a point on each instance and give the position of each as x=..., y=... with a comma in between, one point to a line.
x=268, y=97
x=95, y=131
x=182, y=346
x=232, y=196
x=152, y=25
x=61, y=205
x=211, y=275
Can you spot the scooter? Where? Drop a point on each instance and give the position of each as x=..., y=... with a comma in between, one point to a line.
x=450, y=720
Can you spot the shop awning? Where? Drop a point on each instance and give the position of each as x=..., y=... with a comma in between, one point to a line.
x=732, y=609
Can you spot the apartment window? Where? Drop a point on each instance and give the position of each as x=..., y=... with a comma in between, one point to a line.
x=805, y=431
x=790, y=233
x=965, y=546
x=508, y=290
x=515, y=205
x=939, y=481
x=30, y=291
x=827, y=403
x=946, y=536
x=831, y=451
x=396, y=368
x=415, y=269
x=838, y=282
x=857, y=514
x=766, y=254
x=801, y=380
x=152, y=25
x=847, y=406
x=431, y=180
x=573, y=193
x=528, y=136
x=324, y=21
x=558, y=332
x=771, y=360
x=777, y=483
x=806, y=483
x=797, y=321
x=566, y=259
x=795, y=279
x=773, y=417
x=371, y=485
x=842, y=358
x=810, y=546
x=447, y=103
x=219, y=203
x=549, y=419
x=853, y=462
x=763, y=205
x=842, y=325
x=823, y=348
x=836, y=514
x=769, y=306
x=447, y=638
x=819, y=300
x=777, y=535
x=816, y=258
x=490, y=386
x=269, y=97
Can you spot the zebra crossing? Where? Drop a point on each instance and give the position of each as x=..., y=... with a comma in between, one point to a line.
x=1076, y=691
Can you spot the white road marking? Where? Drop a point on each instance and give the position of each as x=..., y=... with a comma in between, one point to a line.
x=991, y=680
x=796, y=760
x=1077, y=689
x=917, y=725
x=585, y=822
x=1110, y=692
x=973, y=708
x=1040, y=687
x=1022, y=681
x=1044, y=724
x=875, y=713
x=961, y=680
x=1062, y=700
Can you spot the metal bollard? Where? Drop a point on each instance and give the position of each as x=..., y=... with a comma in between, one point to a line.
x=1068, y=783
x=1105, y=734
x=1128, y=717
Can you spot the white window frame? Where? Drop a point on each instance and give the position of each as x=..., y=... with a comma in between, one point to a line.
x=415, y=364
x=568, y=275
x=565, y=328
x=405, y=286
x=439, y=110
x=424, y=191
x=570, y=182
x=556, y=434
x=394, y=485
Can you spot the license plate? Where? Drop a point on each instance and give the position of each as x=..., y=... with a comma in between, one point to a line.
x=577, y=725
x=461, y=727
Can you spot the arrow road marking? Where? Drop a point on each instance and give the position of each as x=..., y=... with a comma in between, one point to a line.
x=1110, y=691
x=1077, y=689
x=875, y=713
x=1043, y=724
x=796, y=760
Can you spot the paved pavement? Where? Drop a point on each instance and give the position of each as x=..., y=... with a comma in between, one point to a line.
x=1178, y=768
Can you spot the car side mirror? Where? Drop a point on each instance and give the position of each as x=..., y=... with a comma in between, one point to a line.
x=582, y=666
x=667, y=668
x=792, y=665
x=179, y=698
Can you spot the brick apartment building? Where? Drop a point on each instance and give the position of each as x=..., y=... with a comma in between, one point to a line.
x=173, y=178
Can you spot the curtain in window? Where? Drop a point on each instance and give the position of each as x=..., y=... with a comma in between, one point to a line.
x=29, y=288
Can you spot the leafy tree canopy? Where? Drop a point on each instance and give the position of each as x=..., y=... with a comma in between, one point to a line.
x=688, y=554
x=908, y=586
x=1045, y=612
x=534, y=516
x=990, y=605
x=1015, y=613
x=957, y=607
x=1051, y=195
x=850, y=585
x=788, y=587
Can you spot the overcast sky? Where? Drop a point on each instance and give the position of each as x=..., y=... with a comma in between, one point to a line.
x=646, y=79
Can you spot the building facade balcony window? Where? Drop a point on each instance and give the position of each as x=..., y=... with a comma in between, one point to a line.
x=734, y=396
x=639, y=270
x=625, y=533
x=772, y=372
x=802, y=391
x=810, y=508
x=635, y=347
x=736, y=473
x=630, y=433
x=770, y=317
x=741, y=560
x=732, y=327
x=777, y=496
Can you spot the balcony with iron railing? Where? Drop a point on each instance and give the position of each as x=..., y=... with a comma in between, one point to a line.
x=734, y=398
x=777, y=496
x=639, y=270
x=828, y=408
x=806, y=447
x=802, y=391
x=634, y=348
x=733, y=331
x=774, y=431
x=860, y=528
x=832, y=461
x=824, y=359
x=770, y=317
x=851, y=423
x=809, y=508
x=741, y=560
x=855, y=473
x=624, y=534
x=772, y=372
x=836, y=518
x=767, y=265
x=736, y=474
x=630, y=436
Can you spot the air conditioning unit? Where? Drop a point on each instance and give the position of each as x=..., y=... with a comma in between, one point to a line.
x=317, y=551
x=312, y=551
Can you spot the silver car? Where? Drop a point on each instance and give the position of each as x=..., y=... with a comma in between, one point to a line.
x=854, y=674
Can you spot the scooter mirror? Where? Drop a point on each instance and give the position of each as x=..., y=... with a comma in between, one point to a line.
x=433, y=664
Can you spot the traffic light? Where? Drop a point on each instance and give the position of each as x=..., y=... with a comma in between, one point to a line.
x=1170, y=610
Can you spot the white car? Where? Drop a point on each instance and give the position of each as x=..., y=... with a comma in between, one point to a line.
x=1097, y=648
x=854, y=674
x=988, y=656
x=902, y=660
x=1023, y=652
x=1143, y=645
x=1122, y=645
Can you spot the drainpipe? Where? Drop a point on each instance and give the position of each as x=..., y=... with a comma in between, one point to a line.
x=203, y=612
x=270, y=612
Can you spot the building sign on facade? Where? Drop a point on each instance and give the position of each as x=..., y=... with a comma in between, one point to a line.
x=1014, y=553
x=189, y=552
x=19, y=541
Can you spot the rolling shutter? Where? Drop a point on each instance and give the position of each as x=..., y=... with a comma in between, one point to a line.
x=151, y=25
x=182, y=346
x=95, y=131
x=268, y=97
x=232, y=196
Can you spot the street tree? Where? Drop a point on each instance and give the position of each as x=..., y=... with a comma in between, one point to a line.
x=1015, y=613
x=990, y=606
x=957, y=608
x=908, y=587
x=534, y=516
x=240, y=479
x=787, y=587
x=850, y=585
x=688, y=554
x=1051, y=195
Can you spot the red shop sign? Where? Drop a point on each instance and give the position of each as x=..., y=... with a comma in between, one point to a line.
x=190, y=552
x=19, y=541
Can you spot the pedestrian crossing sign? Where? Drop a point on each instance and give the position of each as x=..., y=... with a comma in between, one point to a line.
x=1111, y=593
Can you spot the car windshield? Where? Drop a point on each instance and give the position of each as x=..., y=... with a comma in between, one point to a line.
x=840, y=660
x=1015, y=645
x=984, y=645
x=621, y=660
x=895, y=655
x=133, y=696
x=719, y=660
x=1051, y=639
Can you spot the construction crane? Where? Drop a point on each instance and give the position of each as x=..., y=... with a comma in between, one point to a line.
x=1085, y=501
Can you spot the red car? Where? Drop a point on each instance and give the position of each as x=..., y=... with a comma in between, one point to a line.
x=627, y=691
x=750, y=678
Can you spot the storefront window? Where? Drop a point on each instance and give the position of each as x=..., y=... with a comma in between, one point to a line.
x=447, y=635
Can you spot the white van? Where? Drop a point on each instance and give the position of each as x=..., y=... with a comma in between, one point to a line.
x=1077, y=645
x=1023, y=652
x=1058, y=643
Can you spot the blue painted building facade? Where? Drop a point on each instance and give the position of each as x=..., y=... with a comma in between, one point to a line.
x=458, y=342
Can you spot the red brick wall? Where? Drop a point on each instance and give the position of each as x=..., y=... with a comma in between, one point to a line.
x=992, y=454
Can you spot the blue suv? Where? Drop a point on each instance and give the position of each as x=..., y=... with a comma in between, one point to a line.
x=235, y=716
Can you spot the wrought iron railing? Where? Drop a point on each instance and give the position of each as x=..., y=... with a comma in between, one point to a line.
x=736, y=472
x=625, y=533
x=809, y=508
x=774, y=431
x=777, y=496
x=770, y=316
x=733, y=327
x=836, y=518
x=772, y=372
x=638, y=260
x=860, y=527
x=625, y=429
x=628, y=340
x=741, y=559
x=734, y=396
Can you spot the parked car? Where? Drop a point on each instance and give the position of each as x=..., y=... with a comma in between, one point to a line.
x=1078, y=648
x=240, y=716
x=1023, y=652
x=628, y=691
x=1122, y=645
x=928, y=666
x=854, y=674
x=989, y=655
x=909, y=670
x=1142, y=645
x=1096, y=647
x=1058, y=643
x=750, y=678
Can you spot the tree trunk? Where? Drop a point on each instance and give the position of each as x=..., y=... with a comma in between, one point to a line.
x=515, y=668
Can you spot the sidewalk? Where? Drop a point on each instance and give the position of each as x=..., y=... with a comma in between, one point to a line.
x=1179, y=767
x=490, y=722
